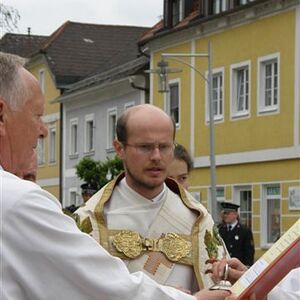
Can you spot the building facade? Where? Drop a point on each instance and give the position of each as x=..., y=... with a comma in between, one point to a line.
x=255, y=52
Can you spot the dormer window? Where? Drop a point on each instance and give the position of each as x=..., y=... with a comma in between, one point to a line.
x=175, y=11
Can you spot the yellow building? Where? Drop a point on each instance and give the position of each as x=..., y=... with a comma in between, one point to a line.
x=49, y=148
x=27, y=45
x=255, y=96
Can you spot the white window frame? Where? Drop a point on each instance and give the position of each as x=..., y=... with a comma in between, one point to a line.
x=234, y=69
x=89, y=145
x=180, y=12
x=261, y=67
x=41, y=152
x=171, y=82
x=52, y=143
x=41, y=79
x=111, y=130
x=264, y=212
x=73, y=145
x=72, y=191
x=220, y=6
x=237, y=197
x=217, y=117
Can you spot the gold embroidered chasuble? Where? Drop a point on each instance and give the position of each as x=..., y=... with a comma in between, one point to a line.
x=171, y=252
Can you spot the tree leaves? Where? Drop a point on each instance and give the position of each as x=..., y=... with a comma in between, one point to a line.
x=98, y=173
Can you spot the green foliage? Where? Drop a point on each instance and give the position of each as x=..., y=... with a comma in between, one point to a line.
x=9, y=18
x=95, y=172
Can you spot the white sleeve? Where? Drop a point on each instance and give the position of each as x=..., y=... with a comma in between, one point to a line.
x=45, y=256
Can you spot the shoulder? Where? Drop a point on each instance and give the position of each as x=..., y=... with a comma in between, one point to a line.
x=17, y=192
x=185, y=196
x=244, y=227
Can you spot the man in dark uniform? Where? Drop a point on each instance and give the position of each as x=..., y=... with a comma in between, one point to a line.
x=237, y=237
x=87, y=191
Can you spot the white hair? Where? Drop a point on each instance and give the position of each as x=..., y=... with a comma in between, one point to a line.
x=12, y=86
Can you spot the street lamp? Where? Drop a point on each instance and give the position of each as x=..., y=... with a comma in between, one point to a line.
x=163, y=71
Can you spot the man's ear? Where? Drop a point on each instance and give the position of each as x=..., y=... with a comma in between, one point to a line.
x=119, y=148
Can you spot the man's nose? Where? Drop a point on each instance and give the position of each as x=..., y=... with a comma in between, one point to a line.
x=43, y=130
x=155, y=154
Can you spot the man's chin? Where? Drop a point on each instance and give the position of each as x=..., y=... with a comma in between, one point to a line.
x=154, y=182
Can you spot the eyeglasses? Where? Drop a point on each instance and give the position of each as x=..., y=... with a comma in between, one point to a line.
x=147, y=149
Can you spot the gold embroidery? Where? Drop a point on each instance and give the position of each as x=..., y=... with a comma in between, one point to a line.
x=128, y=242
x=132, y=245
x=86, y=225
x=175, y=247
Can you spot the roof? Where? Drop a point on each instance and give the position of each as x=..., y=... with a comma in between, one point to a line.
x=132, y=67
x=198, y=14
x=21, y=44
x=78, y=50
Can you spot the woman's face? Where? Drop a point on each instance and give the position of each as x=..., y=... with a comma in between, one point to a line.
x=178, y=170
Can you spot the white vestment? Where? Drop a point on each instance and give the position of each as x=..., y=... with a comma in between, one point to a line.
x=44, y=255
x=128, y=209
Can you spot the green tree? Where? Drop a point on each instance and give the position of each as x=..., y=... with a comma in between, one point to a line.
x=9, y=18
x=98, y=173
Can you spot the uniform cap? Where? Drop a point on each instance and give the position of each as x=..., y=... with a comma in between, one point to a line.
x=228, y=206
x=88, y=188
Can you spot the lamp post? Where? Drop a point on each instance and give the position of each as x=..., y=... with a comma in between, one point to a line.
x=163, y=71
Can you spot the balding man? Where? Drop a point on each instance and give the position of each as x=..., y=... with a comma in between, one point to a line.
x=149, y=221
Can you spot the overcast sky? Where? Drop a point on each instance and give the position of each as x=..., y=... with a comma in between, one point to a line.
x=45, y=16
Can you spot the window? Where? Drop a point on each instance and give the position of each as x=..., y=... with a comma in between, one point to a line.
x=41, y=152
x=245, y=207
x=217, y=95
x=89, y=133
x=73, y=197
x=240, y=90
x=177, y=11
x=220, y=194
x=268, y=80
x=52, y=144
x=271, y=218
x=220, y=6
x=173, y=101
x=41, y=79
x=112, y=123
x=73, y=137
